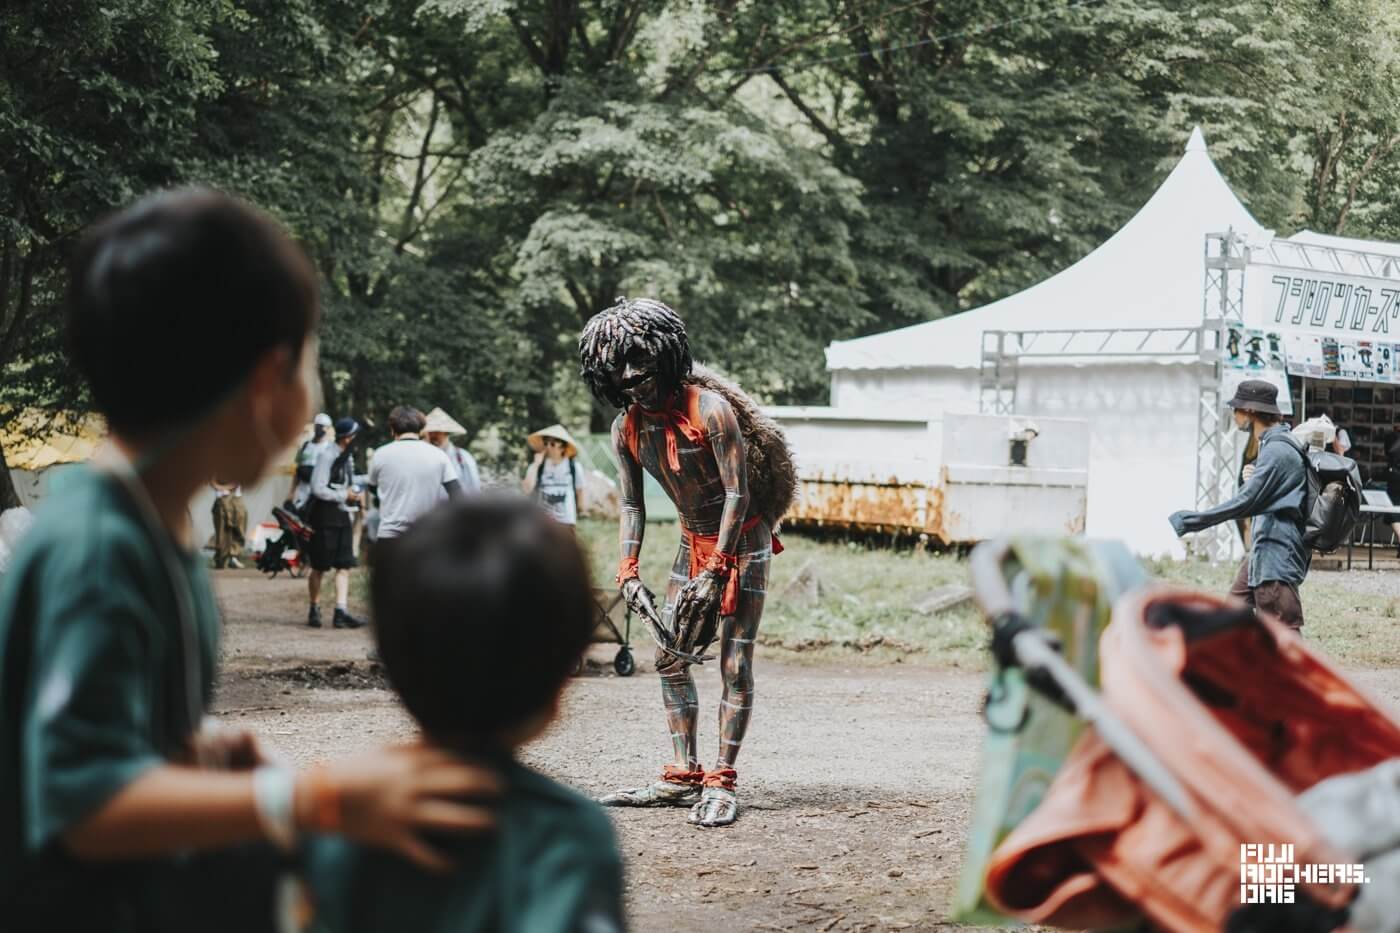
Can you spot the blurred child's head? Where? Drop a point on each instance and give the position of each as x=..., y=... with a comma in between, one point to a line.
x=189, y=313
x=481, y=610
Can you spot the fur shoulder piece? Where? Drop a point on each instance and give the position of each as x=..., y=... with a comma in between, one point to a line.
x=771, y=473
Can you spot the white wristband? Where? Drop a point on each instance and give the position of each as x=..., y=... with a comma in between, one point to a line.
x=274, y=790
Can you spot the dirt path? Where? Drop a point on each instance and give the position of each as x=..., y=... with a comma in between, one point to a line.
x=856, y=780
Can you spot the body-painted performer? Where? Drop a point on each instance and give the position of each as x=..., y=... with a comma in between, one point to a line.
x=727, y=468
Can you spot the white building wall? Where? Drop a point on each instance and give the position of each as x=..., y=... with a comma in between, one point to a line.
x=1142, y=422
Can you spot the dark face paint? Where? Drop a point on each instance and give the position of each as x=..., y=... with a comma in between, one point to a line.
x=638, y=379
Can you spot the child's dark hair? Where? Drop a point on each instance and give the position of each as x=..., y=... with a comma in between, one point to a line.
x=172, y=301
x=481, y=610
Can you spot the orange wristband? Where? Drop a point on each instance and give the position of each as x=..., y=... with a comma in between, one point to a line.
x=628, y=569
x=325, y=800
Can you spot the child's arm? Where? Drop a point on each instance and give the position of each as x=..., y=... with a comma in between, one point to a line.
x=385, y=798
x=98, y=779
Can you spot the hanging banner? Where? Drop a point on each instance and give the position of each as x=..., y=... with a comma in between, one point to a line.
x=1330, y=325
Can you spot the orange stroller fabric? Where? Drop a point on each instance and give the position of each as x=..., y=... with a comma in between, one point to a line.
x=1245, y=718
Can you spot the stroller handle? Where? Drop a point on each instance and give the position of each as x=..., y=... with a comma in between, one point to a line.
x=1034, y=652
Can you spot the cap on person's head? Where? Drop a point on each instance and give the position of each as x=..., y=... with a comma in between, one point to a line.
x=187, y=288
x=555, y=432
x=346, y=427
x=322, y=420
x=1256, y=395
x=481, y=610
x=440, y=422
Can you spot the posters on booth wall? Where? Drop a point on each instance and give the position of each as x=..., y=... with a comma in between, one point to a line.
x=1251, y=349
x=1341, y=358
x=1257, y=354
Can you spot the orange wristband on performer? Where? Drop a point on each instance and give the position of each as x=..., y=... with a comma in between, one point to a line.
x=721, y=563
x=629, y=568
x=325, y=800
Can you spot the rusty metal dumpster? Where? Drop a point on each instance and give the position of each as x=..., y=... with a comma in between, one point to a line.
x=958, y=478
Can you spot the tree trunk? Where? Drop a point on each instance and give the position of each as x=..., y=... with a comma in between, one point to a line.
x=9, y=496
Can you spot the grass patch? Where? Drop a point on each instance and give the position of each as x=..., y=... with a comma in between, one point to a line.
x=866, y=611
x=866, y=606
x=867, y=595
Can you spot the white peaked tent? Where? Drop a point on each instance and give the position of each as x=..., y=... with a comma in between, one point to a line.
x=1142, y=414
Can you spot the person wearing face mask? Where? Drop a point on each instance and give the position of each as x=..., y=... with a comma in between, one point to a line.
x=335, y=497
x=1273, y=496
x=729, y=472
x=121, y=808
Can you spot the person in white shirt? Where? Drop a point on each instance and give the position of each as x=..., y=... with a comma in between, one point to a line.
x=409, y=475
x=439, y=431
x=553, y=478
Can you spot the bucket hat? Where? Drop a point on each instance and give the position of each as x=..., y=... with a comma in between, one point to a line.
x=1256, y=395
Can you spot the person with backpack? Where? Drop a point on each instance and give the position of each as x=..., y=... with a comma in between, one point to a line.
x=310, y=449
x=1275, y=498
x=335, y=496
x=553, y=477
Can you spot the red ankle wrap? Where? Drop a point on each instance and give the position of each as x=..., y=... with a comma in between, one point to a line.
x=725, y=778
x=675, y=774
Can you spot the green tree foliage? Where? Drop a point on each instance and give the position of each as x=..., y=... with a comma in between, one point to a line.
x=475, y=178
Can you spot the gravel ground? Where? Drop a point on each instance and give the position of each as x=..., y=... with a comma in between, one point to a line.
x=856, y=780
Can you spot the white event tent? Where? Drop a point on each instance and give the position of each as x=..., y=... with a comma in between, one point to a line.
x=1142, y=413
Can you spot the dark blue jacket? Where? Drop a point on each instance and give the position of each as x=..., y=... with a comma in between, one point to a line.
x=1274, y=497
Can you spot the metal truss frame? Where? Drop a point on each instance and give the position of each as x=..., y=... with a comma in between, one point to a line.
x=1217, y=443
x=1217, y=447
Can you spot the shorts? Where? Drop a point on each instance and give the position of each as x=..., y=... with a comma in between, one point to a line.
x=331, y=548
x=1272, y=596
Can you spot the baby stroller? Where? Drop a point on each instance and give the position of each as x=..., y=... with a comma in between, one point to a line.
x=1127, y=765
x=286, y=551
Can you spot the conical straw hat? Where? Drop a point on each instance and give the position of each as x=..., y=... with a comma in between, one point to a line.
x=440, y=421
x=536, y=440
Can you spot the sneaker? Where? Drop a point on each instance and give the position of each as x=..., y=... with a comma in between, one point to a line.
x=313, y=618
x=235, y=563
x=343, y=619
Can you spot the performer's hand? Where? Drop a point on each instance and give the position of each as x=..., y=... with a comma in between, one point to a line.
x=697, y=603
x=639, y=598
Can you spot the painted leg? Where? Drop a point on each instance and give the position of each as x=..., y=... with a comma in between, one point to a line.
x=679, y=785
x=719, y=804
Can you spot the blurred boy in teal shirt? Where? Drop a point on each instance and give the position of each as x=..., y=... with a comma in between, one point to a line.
x=481, y=610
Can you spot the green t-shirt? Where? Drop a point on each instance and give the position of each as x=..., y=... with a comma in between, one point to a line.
x=551, y=866
x=92, y=691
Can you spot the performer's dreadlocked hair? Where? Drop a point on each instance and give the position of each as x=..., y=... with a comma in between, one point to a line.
x=633, y=322
x=650, y=325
